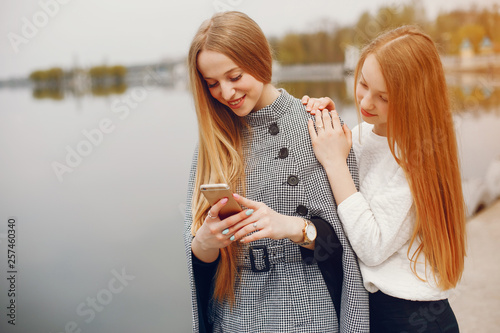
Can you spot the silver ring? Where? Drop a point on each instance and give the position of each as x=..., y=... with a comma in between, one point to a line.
x=318, y=127
x=212, y=217
x=255, y=225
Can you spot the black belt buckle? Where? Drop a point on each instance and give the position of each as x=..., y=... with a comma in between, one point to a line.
x=265, y=256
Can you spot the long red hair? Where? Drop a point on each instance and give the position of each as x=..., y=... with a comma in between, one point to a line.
x=220, y=153
x=421, y=137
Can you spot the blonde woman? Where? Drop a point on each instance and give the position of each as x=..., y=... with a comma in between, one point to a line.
x=407, y=222
x=258, y=270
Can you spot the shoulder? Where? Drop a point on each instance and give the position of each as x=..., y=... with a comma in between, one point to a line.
x=296, y=105
x=293, y=112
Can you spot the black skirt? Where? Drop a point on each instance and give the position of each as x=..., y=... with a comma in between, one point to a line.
x=390, y=314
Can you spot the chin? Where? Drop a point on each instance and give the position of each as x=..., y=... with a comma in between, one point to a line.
x=367, y=119
x=241, y=112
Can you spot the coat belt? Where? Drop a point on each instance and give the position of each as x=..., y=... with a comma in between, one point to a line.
x=259, y=258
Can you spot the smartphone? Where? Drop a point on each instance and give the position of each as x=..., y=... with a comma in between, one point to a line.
x=215, y=192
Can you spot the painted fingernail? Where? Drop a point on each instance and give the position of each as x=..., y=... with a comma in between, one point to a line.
x=249, y=212
x=232, y=238
x=225, y=231
x=224, y=200
x=236, y=195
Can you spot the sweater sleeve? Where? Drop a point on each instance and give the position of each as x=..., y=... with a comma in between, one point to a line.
x=381, y=226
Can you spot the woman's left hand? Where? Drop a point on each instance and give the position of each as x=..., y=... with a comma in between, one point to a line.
x=267, y=223
x=331, y=141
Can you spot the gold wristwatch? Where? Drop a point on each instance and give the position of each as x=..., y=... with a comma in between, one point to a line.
x=309, y=232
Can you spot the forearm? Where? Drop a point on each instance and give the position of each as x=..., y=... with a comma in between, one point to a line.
x=341, y=181
x=281, y=227
x=205, y=255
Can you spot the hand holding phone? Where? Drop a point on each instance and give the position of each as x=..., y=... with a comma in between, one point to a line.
x=215, y=192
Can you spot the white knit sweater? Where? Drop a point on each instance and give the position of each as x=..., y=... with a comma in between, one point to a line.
x=379, y=221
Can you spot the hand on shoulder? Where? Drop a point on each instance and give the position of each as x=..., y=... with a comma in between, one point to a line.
x=314, y=105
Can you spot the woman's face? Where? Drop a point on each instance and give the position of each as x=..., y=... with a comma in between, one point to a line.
x=229, y=84
x=372, y=97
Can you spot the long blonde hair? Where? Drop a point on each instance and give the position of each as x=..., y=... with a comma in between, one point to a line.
x=421, y=137
x=220, y=152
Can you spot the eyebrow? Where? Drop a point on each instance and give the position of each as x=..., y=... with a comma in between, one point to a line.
x=381, y=92
x=227, y=72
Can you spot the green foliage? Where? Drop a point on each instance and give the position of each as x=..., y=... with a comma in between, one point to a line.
x=53, y=74
x=52, y=83
x=102, y=71
x=448, y=30
x=474, y=33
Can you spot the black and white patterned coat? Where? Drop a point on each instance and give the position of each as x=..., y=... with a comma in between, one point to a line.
x=288, y=294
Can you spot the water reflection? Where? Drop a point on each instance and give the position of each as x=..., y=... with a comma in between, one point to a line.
x=101, y=81
x=474, y=92
x=469, y=92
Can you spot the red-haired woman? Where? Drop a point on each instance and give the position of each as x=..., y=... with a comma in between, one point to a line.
x=407, y=222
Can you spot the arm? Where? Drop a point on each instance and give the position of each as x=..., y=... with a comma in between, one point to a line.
x=378, y=228
x=268, y=223
x=215, y=234
x=331, y=144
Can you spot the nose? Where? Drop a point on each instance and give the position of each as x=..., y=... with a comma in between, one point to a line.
x=366, y=102
x=228, y=91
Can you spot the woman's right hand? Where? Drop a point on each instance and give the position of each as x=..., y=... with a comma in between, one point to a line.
x=317, y=104
x=214, y=232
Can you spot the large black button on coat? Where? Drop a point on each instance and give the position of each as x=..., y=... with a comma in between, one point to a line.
x=274, y=129
x=292, y=180
x=283, y=153
x=302, y=210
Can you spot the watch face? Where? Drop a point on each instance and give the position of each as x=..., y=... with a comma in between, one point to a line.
x=311, y=232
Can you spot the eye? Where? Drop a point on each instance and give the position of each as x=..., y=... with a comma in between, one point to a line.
x=213, y=85
x=236, y=78
x=363, y=84
x=384, y=99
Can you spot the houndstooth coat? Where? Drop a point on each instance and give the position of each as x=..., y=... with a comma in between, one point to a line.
x=278, y=291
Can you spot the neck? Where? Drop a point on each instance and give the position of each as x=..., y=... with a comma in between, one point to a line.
x=380, y=130
x=269, y=95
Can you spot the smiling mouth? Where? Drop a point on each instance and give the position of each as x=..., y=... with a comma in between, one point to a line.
x=236, y=101
x=366, y=113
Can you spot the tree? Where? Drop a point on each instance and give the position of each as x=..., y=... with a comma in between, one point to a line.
x=474, y=33
x=291, y=50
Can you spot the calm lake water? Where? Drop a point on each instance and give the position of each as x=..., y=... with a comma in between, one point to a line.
x=97, y=187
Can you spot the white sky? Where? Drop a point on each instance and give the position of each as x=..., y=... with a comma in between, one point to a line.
x=92, y=32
